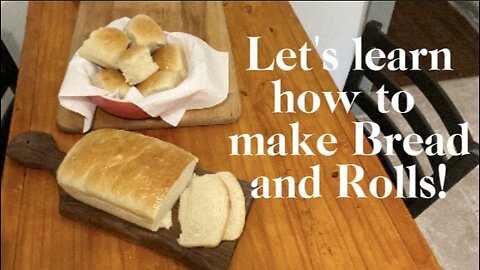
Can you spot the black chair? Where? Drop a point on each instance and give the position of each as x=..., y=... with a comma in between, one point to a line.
x=457, y=166
x=9, y=72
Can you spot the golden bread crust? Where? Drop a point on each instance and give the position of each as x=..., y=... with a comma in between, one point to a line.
x=128, y=170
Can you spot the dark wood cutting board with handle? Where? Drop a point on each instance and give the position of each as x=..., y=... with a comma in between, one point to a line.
x=38, y=150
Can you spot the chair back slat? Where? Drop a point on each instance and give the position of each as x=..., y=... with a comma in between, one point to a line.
x=414, y=118
x=9, y=70
x=430, y=88
x=457, y=166
x=9, y=74
x=387, y=127
x=386, y=163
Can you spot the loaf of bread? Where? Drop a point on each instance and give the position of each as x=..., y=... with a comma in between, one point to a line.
x=171, y=57
x=236, y=218
x=129, y=175
x=137, y=64
x=112, y=81
x=160, y=81
x=203, y=212
x=104, y=46
x=144, y=31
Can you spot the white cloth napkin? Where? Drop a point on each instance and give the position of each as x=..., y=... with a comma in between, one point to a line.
x=205, y=86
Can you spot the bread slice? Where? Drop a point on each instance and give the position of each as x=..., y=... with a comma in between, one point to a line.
x=171, y=57
x=112, y=81
x=203, y=212
x=166, y=221
x=160, y=81
x=137, y=64
x=144, y=31
x=104, y=47
x=126, y=174
x=236, y=219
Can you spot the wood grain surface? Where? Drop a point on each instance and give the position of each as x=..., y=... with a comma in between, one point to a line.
x=322, y=233
x=205, y=20
x=36, y=149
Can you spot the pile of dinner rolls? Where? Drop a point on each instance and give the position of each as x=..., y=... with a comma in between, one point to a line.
x=137, y=56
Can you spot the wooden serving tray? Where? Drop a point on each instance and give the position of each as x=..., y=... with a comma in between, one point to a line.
x=205, y=20
x=39, y=150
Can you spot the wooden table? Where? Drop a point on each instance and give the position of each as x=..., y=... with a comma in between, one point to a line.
x=322, y=233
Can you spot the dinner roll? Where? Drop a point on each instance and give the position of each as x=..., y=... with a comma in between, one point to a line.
x=136, y=64
x=160, y=81
x=144, y=31
x=171, y=57
x=112, y=81
x=104, y=46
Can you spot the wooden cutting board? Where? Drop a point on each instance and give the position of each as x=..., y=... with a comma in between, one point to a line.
x=205, y=20
x=38, y=150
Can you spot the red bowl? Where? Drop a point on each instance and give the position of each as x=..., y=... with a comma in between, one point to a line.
x=118, y=108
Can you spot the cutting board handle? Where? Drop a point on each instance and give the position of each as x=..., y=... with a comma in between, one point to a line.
x=37, y=150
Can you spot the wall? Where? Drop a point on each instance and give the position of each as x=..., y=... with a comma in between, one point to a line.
x=337, y=23
x=13, y=27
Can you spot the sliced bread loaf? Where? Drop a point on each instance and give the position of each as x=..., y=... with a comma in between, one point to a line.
x=203, y=212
